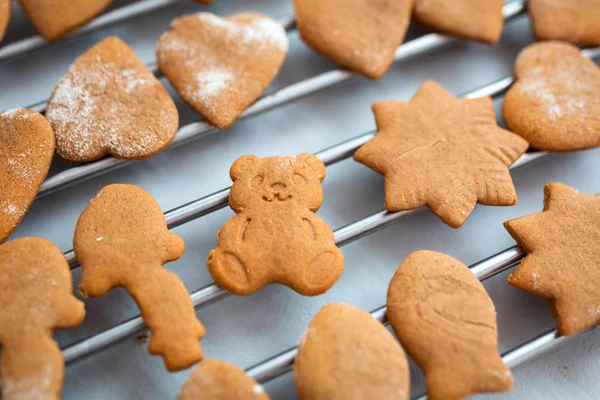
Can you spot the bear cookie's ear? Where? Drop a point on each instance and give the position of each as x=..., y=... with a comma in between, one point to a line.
x=240, y=165
x=310, y=162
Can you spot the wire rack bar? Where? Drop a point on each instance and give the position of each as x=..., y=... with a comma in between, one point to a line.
x=290, y=93
x=120, y=14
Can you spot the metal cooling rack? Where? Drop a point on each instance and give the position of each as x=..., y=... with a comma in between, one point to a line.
x=281, y=363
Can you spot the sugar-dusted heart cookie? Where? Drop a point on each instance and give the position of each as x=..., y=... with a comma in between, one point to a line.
x=346, y=354
x=361, y=35
x=55, y=19
x=443, y=152
x=470, y=19
x=218, y=380
x=122, y=240
x=447, y=323
x=563, y=256
x=566, y=20
x=555, y=101
x=108, y=102
x=220, y=66
x=26, y=150
x=4, y=16
x=36, y=297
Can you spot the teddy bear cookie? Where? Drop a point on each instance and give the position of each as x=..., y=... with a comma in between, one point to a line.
x=469, y=19
x=108, y=102
x=562, y=263
x=218, y=380
x=122, y=240
x=361, y=35
x=220, y=66
x=276, y=236
x=4, y=16
x=55, y=19
x=447, y=324
x=555, y=101
x=566, y=20
x=27, y=143
x=443, y=152
x=35, y=298
x=347, y=354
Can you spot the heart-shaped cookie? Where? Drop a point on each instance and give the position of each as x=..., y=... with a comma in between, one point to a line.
x=55, y=19
x=26, y=150
x=108, y=102
x=361, y=35
x=4, y=16
x=555, y=101
x=221, y=65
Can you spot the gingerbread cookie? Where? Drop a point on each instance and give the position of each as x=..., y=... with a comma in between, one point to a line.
x=27, y=147
x=346, y=354
x=555, y=101
x=110, y=103
x=275, y=236
x=442, y=152
x=121, y=240
x=563, y=256
x=55, y=19
x=218, y=380
x=468, y=19
x=447, y=323
x=566, y=20
x=361, y=35
x=220, y=66
x=35, y=298
x=4, y=16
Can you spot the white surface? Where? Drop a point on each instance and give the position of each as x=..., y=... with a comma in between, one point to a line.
x=247, y=330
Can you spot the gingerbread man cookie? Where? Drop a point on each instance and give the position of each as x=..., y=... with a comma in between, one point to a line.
x=220, y=66
x=121, y=240
x=468, y=19
x=27, y=147
x=346, y=354
x=447, y=323
x=566, y=20
x=555, y=101
x=55, y=19
x=361, y=35
x=4, y=16
x=218, y=380
x=275, y=236
x=36, y=297
x=442, y=152
x=108, y=102
x=563, y=256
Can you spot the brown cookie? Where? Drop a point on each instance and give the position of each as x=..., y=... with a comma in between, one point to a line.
x=563, y=256
x=4, y=16
x=275, y=236
x=220, y=66
x=566, y=20
x=218, y=380
x=469, y=19
x=121, y=240
x=442, y=152
x=27, y=147
x=108, y=102
x=55, y=19
x=361, y=35
x=555, y=102
x=447, y=323
x=36, y=297
x=346, y=354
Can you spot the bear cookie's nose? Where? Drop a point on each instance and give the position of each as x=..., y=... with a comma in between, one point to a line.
x=278, y=186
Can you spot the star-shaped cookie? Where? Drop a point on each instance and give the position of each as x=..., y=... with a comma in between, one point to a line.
x=563, y=256
x=443, y=152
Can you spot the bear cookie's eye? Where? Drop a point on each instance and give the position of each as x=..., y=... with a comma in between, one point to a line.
x=257, y=180
x=299, y=179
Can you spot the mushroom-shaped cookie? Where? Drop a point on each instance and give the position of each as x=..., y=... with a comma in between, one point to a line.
x=122, y=240
x=36, y=296
x=447, y=323
x=218, y=380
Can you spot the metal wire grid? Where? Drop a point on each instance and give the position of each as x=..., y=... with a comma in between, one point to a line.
x=282, y=363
